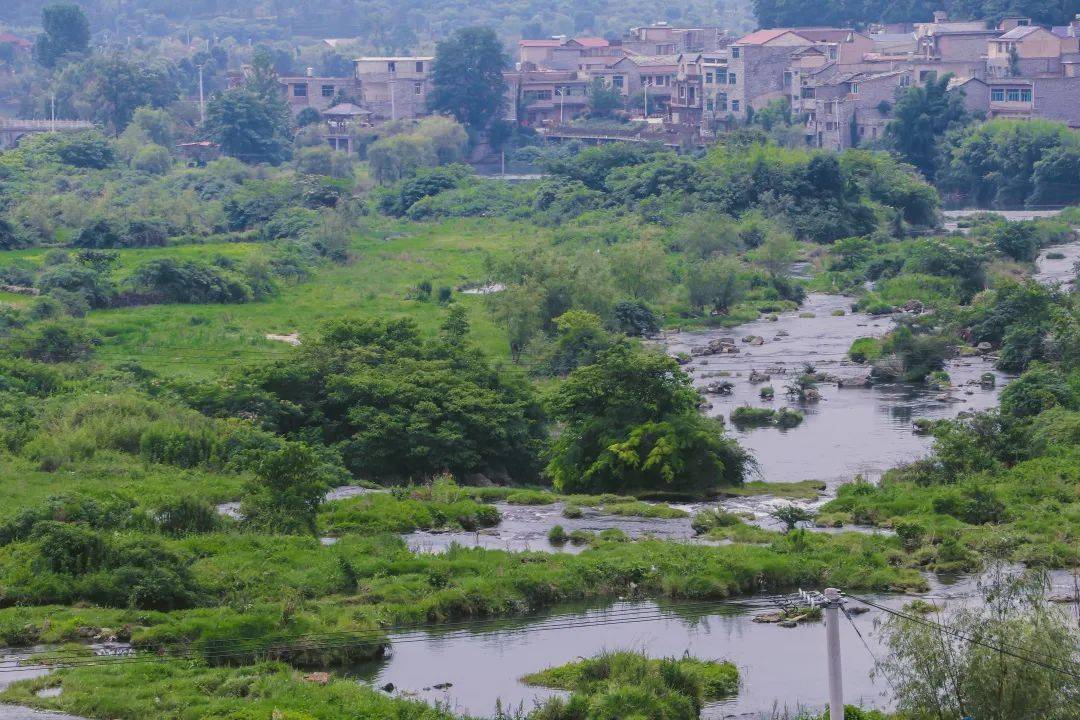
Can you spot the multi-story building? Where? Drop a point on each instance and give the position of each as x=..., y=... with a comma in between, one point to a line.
x=546, y=97
x=316, y=92
x=394, y=88
x=664, y=39
x=849, y=109
x=562, y=53
x=1049, y=98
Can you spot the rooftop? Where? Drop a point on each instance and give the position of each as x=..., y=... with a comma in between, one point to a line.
x=761, y=37
x=1019, y=32
x=346, y=109
x=394, y=58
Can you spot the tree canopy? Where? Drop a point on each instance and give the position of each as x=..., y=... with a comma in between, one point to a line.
x=467, y=80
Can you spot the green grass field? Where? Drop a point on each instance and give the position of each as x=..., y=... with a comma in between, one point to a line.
x=388, y=259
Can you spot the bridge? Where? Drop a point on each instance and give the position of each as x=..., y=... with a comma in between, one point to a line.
x=670, y=137
x=11, y=130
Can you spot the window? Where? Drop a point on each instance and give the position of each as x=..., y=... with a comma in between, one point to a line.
x=1023, y=22
x=661, y=80
x=905, y=80
x=693, y=96
x=1012, y=94
x=543, y=94
x=682, y=91
x=807, y=92
x=854, y=88
x=731, y=79
x=618, y=81
x=1025, y=95
x=391, y=67
x=735, y=52
x=709, y=105
x=832, y=52
x=708, y=78
x=299, y=90
x=734, y=106
x=418, y=88
x=997, y=95
x=923, y=74
x=419, y=66
x=830, y=126
x=328, y=91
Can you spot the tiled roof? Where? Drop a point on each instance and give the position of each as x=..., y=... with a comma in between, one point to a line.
x=540, y=43
x=654, y=60
x=824, y=34
x=346, y=109
x=761, y=37
x=1019, y=32
x=592, y=42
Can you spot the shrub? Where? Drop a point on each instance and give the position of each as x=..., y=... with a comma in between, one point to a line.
x=152, y=160
x=558, y=536
x=173, y=443
x=750, y=416
x=865, y=350
x=187, y=515
x=53, y=341
x=189, y=281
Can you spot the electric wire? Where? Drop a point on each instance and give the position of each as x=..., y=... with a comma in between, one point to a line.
x=942, y=628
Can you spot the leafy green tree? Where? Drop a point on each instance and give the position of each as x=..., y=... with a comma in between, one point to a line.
x=604, y=99
x=1007, y=163
x=286, y=492
x=398, y=407
x=67, y=32
x=974, y=670
x=631, y=422
x=640, y=269
x=467, y=79
x=921, y=116
x=249, y=126
x=703, y=235
x=400, y=156
x=717, y=284
x=112, y=87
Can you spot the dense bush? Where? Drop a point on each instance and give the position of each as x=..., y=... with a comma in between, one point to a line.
x=631, y=423
x=189, y=281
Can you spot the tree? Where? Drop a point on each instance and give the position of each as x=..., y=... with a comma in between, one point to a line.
x=631, y=423
x=110, y=88
x=777, y=254
x=448, y=138
x=640, y=269
x=718, y=283
x=703, y=235
x=984, y=666
x=67, y=31
x=604, y=100
x=922, y=115
x=791, y=516
x=467, y=79
x=286, y=492
x=248, y=126
x=399, y=157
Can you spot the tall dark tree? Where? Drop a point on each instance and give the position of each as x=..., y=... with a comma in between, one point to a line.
x=467, y=77
x=109, y=88
x=66, y=31
x=247, y=127
x=922, y=115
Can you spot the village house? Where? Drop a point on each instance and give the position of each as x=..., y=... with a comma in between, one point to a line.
x=561, y=53
x=664, y=39
x=850, y=109
x=316, y=92
x=546, y=97
x=1024, y=51
x=944, y=46
x=396, y=87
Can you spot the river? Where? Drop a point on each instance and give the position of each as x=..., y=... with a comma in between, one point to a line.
x=779, y=667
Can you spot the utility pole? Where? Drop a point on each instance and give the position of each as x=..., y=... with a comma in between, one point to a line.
x=202, y=103
x=832, y=639
x=646, y=85
x=53, y=113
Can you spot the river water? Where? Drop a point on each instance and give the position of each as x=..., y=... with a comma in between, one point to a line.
x=778, y=666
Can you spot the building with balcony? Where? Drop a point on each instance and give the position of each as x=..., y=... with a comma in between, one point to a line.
x=316, y=92
x=394, y=87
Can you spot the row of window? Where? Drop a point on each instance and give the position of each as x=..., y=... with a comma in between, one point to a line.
x=720, y=78
x=391, y=66
x=1010, y=95
x=721, y=105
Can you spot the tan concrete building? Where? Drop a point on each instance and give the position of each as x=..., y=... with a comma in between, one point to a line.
x=394, y=87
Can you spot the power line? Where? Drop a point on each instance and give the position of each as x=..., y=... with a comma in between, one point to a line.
x=941, y=627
